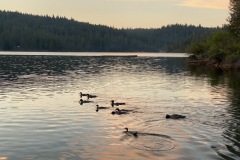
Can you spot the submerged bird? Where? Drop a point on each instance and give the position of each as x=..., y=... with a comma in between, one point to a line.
x=97, y=108
x=116, y=103
x=82, y=94
x=91, y=96
x=175, y=116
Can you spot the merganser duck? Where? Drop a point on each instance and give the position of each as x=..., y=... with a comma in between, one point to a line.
x=122, y=111
x=175, y=116
x=115, y=112
x=91, y=96
x=84, y=101
x=134, y=133
x=82, y=94
x=116, y=103
x=97, y=109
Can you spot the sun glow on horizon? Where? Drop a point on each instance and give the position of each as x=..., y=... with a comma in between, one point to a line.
x=213, y=4
x=128, y=13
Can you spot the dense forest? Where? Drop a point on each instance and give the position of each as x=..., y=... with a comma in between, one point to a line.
x=222, y=48
x=24, y=32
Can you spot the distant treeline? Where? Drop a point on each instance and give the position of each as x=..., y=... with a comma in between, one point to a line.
x=24, y=32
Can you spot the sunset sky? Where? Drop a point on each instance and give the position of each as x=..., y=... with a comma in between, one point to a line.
x=128, y=13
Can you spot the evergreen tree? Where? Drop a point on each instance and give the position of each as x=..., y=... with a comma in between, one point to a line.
x=24, y=32
x=234, y=18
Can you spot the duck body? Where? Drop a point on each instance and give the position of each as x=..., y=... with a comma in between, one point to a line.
x=120, y=111
x=82, y=94
x=84, y=101
x=116, y=103
x=98, y=108
x=133, y=133
x=91, y=96
x=175, y=116
x=124, y=110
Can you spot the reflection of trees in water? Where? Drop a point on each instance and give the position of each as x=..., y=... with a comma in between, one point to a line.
x=233, y=131
x=218, y=77
x=13, y=66
x=215, y=75
x=231, y=79
x=31, y=73
x=51, y=65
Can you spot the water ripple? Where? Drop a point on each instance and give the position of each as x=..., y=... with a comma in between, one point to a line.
x=41, y=117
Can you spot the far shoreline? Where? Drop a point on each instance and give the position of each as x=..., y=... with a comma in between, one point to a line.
x=119, y=54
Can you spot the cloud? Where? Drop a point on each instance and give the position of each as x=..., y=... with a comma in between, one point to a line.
x=138, y=0
x=214, y=4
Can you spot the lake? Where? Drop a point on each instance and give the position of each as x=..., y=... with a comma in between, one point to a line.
x=41, y=117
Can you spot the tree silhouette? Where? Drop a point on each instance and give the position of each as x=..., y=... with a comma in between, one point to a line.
x=24, y=32
x=234, y=18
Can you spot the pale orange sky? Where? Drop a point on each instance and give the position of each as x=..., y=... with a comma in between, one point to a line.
x=128, y=13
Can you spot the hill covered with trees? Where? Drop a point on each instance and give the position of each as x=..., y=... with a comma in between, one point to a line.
x=24, y=32
x=222, y=48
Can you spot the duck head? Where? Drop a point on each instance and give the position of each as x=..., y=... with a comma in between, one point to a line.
x=126, y=129
x=112, y=103
x=97, y=109
x=81, y=102
x=168, y=116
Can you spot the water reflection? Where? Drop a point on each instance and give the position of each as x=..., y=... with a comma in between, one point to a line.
x=30, y=71
x=220, y=80
x=14, y=66
x=41, y=116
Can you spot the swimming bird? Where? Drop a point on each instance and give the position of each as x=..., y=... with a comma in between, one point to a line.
x=82, y=94
x=91, y=96
x=114, y=112
x=116, y=103
x=98, y=107
x=120, y=111
x=84, y=101
x=175, y=116
x=134, y=133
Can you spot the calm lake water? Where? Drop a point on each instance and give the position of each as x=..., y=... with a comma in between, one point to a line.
x=41, y=117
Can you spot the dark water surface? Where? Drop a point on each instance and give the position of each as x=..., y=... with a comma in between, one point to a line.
x=41, y=118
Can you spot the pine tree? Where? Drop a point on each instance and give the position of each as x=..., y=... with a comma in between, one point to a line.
x=234, y=18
